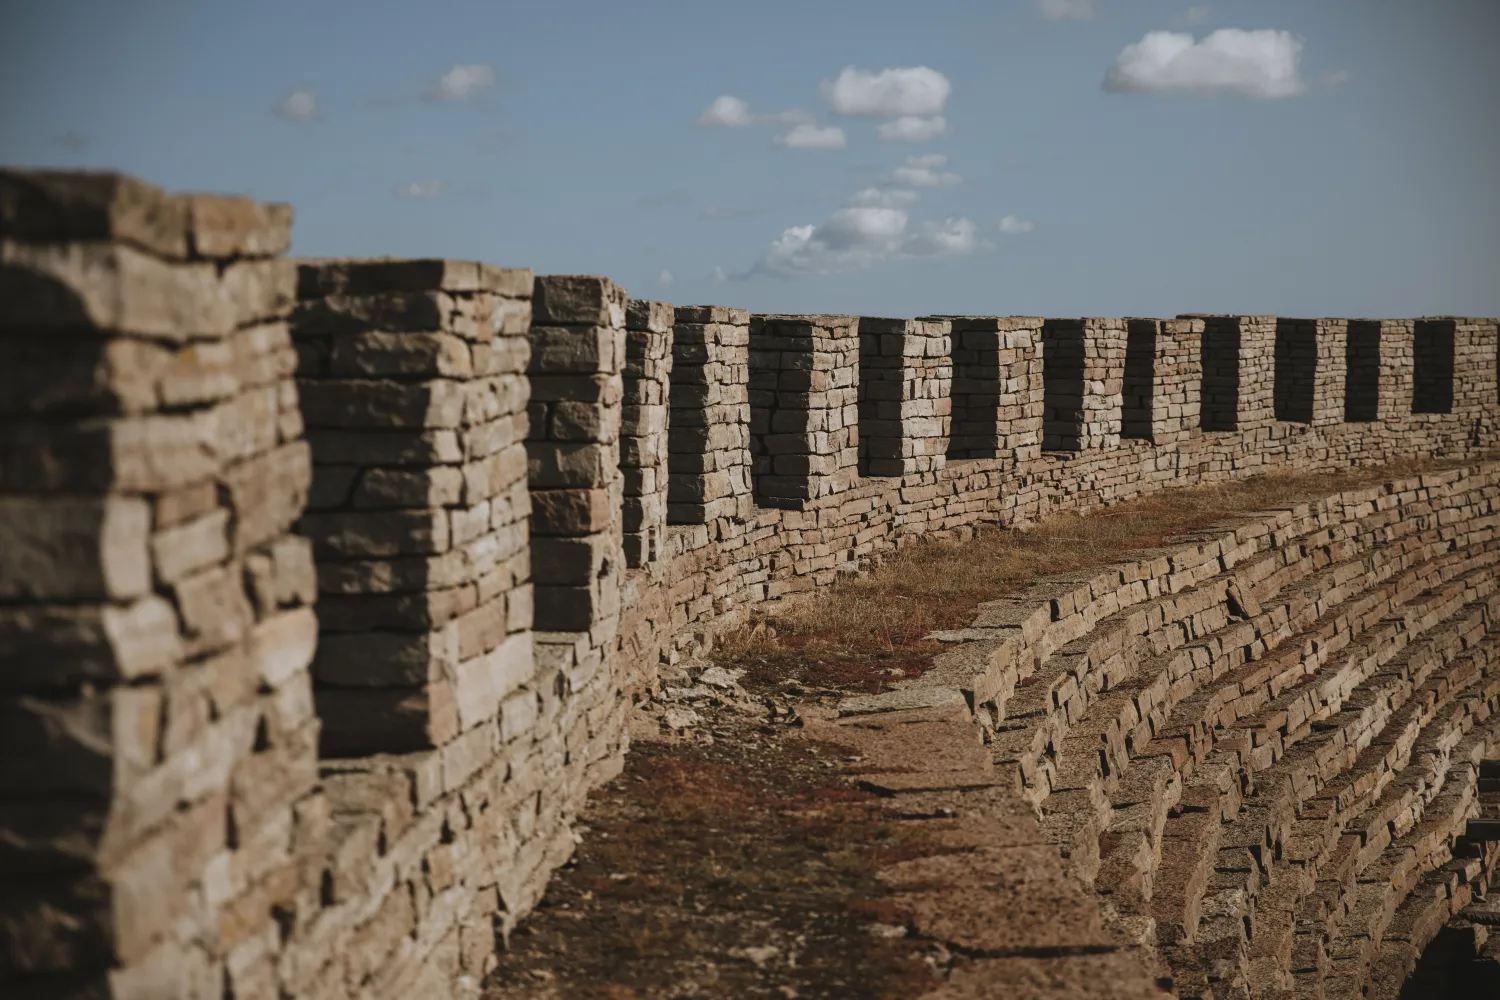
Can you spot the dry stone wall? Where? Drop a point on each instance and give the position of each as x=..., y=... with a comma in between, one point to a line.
x=156, y=625
x=522, y=495
x=905, y=395
x=411, y=376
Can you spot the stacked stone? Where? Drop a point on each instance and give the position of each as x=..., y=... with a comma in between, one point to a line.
x=1397, y=366
x=804, y=407
x=155, y=614
x=1083, y=383
x=413, y=389
x=1476, y=364
x=1433, y=366
x=1362, y=389
x=1330, y=381
x=643, y=429
x=905, y=395
x=578, y=351
x=1296, y=375
x=997, y=387
x=1178, y=380
x=1238, y=371
x=708, y=440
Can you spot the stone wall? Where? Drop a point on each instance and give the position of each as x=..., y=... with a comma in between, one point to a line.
x=411, y=376
x=905, y=395
x=494, y=580
x=156, y=628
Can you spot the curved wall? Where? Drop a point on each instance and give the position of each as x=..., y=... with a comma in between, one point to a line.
x=518, y=496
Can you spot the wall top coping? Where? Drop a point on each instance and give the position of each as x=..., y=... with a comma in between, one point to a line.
x=56, y=206
x=318, y=277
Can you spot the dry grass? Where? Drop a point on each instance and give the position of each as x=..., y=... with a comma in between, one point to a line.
x=865, y=632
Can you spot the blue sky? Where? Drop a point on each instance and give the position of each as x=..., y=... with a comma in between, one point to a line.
x=1314, y=157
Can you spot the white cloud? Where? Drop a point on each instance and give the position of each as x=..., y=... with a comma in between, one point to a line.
x=1195, y=15
x=1259, y=64
x=666, y=277
x=719, y=274
x=924, y=171
x=726, y=110
x=301, y=105
x=461, y=83
x=891, y=93
x=419, y=189
x=813, y=137
x=734, y=112
x=874, y=197
x=873, y=228
x=1067, y=10
x=911, y=128
x=1014, y=225
x=1337, y=78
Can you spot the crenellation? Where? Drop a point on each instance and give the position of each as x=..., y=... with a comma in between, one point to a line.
x=905, y=395
x=1433, y=365
x=327, y=588
x=1363, y=396
x=156, y=619
x=1083, y=364
x=997, y=387
x=643, y=429
x=419, y=509
x=708, y=436
x=804, y=408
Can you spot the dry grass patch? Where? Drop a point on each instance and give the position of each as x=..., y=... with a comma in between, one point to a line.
x=868, y=631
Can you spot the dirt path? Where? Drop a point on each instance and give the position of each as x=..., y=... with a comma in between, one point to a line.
x=740, y=867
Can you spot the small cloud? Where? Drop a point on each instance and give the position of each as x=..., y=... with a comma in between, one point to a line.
x=1337, y=78
x=719, y=274
x=300, y=105
x=1256, y=64
x=461, y=83
x=1014, y=226
x=890, y=93
x=672, y=199
x=925, y=172
x=726, y=110
x=732, y=112
x=419, y=189
x=1067, y=10
x=73, y=142
x=665, y=277
x=1195, y=15
x=823, y=137
x=911, y=128
x=874, y=228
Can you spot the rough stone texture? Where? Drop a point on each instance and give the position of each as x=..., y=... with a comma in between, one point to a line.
x=1162, y=381
x=708, y=437
x=997, y=383
x=156, y=627
x=643, y=429
x=1261, y=747
x=804, y=408
x=1263, y=744
x=413, y=388
x=1083, y=378
x=905, y=395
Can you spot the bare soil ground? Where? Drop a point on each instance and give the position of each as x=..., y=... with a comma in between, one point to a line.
x=737, y=860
